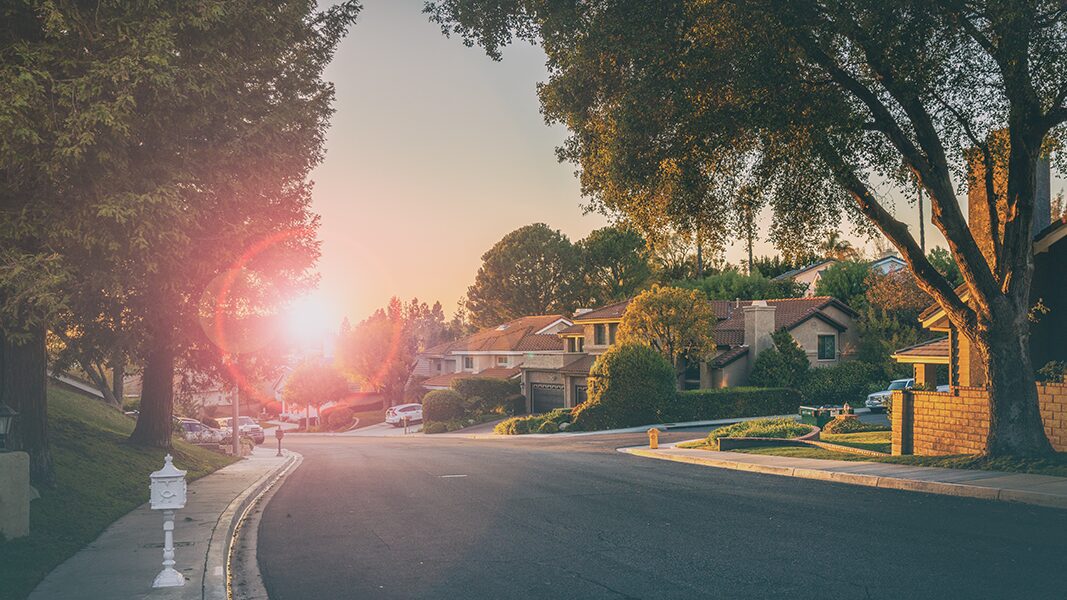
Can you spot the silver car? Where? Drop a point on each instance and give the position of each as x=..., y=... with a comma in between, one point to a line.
x=878, y=401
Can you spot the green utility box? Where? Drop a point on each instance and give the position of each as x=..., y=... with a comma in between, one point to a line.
x=819, y=415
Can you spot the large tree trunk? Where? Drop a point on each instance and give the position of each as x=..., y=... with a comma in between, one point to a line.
x=1015, y=426
x=24, y=387
x=154, y=426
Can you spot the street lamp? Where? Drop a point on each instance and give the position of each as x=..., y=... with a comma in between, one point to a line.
x=7, y=417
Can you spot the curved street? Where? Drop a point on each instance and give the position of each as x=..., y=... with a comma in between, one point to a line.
x=424, y=517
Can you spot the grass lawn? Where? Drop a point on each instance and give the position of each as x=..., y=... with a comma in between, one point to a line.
x=99, y=478
x=879, y=441
x=371, y=417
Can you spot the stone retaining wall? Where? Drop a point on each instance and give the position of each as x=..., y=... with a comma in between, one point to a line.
x=938, y=423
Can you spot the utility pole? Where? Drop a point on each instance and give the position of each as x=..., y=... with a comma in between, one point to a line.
x=235, y=428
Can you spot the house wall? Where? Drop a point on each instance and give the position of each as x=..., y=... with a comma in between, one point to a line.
x=940, y=423
x=733, y=374
x=810, y=278
x=807, y=336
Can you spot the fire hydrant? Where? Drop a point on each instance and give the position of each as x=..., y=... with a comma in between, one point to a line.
x=653, y=438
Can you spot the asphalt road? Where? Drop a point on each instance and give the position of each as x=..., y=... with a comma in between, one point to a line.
x=571, y=518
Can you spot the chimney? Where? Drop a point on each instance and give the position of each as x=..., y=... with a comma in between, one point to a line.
x=978, y=208
x=759, y=325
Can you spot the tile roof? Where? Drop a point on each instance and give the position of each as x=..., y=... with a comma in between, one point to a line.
x=573, y=330
x=729, y=356
x=580, y=366
x=789, y=312
x=611, y=311
x=519, y=335
x=937, y=347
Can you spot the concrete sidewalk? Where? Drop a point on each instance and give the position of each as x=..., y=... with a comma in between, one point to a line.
x=1043, y=490
x=124, y=560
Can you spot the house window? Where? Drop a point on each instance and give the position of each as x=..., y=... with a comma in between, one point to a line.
x=580, y=344
x=502, y=360
x=468, y=362
x=600, y=337
x=827, y=347
x=572, y=344
x=437, y=364
x=612, y=329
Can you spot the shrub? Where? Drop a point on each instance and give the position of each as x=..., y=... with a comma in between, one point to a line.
x=850, y=424
x=550, y=422
x=769, y=428
x=442, y=405
x=846, y=382
x=548, y=427
x=1052, y=372
x=493, y=393
x=435, y=427
x=413, y=390
x=628, y=385
x=516, y=404
x=784, y=366
x=272, y=407
x=340, y=418
x=729, y=403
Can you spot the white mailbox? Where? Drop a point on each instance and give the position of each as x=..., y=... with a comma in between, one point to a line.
x=168, y=487
x=168, y=495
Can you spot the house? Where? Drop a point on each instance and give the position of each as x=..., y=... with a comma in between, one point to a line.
x=950, y=358
x=809, y=275
x=496, y=352
x=822, y=326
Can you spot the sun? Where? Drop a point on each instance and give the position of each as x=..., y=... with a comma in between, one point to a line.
x=309, y=319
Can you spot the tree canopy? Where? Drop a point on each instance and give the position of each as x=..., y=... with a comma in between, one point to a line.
x=827, y=106
x=675, y=322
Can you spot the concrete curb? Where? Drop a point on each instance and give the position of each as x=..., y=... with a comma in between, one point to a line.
x=216, y=583
x=893, y=483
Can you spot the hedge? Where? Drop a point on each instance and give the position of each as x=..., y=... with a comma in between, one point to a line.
x=549, y=422
x=442, y=405
x=730, y=403
x=845, y=382
x=492, y=394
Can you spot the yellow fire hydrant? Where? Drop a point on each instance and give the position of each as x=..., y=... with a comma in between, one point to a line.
x=653, y=438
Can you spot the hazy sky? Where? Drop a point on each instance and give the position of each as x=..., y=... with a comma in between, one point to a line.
x=435, y=152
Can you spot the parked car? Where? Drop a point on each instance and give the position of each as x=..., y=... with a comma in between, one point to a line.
x=246, y=426
x=879, y=400
x=196, y=432
x=394, y=415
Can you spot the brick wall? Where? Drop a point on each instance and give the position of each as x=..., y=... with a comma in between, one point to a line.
x=933, y=423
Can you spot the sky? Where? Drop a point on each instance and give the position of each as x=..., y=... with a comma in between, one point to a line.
x=436, y=152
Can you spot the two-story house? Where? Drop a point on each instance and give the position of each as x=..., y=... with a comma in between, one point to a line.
x=496, y=352
x=822, y=326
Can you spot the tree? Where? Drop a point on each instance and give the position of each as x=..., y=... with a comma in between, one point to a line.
x=942, y=260
x=616, y=264
x=314, y=384
x=533, y=270
x=838, y=94
x=675, y=322
x=784, y=365
x=731, y=285
x=846, y=281
x=773, y=266
x=838, y=248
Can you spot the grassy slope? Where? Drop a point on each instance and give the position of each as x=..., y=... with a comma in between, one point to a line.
x=99, y=479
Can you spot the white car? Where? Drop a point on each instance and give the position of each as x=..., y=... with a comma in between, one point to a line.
x=394, y=415
x=246, y=426
x=196, y=432
x=879, y=400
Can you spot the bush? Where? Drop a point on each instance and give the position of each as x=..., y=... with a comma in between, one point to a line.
x=1052, y=372
x=442, y=405
x=516, y=404
x=413, y=390
x=492, y=393
x=769, y=428
x=435, y=427
x=851, y=424
x=628, y=385
x=340, y=418
x=550, y=422
x=730, y=403
x=272, y=407
x=784, y=366
x=846, y=382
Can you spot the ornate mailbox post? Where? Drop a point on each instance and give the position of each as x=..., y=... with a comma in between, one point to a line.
x=278, y=433
x=168, y=495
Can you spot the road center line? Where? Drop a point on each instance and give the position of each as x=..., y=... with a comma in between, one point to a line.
x=445, y=476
